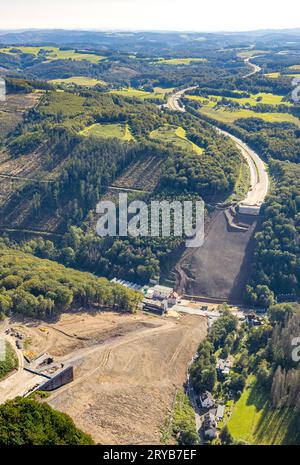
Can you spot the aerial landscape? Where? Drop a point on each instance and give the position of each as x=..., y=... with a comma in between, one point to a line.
x=149, y=232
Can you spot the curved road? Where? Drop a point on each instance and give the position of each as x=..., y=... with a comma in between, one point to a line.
x=259, y=180
x=255, y=68
x=173, y=100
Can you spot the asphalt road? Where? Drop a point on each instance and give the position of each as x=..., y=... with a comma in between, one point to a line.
x=259, y=180
x=255, y=68
x=173, y=100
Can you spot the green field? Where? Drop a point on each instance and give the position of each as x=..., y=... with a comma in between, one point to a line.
x=163, y=90
x=136, y=93
x=261, y=98
x=273, y=75
x=230, y=116
x=291, y=75
x=254, y=420
x=119, y=131
x=296, y=73
x=250, y=53
x=225, y=114
x=177, y=136
x=10, y=362
x=180, y=61
x=54, y=53
x=62, y=102
x=79, y=81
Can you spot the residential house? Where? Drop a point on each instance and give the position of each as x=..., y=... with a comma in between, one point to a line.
x=223, y=368
x=210, y=426
x=161, y=292
x=206, y=400
x=220, y=412
x=173, y=298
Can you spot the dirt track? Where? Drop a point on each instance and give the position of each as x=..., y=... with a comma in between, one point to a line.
x=127, y=368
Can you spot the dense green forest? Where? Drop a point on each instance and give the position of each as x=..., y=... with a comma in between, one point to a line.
x=86, y=116
x=78, y=171
x=27, y=422
x=42, y=288
x=277, y=245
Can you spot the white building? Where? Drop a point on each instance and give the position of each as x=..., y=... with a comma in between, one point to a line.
x=173, y=298
x=210, y=426
x=220, y=412
x=206, y=400
x=161, y=292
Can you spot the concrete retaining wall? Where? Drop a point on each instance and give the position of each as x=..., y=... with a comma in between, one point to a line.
x=65, y=376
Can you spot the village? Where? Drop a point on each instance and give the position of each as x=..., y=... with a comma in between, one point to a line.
x=211, y=413
x=46, y=372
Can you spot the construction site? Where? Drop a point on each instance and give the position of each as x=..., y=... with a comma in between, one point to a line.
x=115, y=374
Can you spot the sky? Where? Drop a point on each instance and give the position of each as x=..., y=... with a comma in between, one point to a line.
x=175, y=15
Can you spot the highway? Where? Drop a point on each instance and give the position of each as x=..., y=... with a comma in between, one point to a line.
x=259, y=180
x=255, y=68
x=173, y=100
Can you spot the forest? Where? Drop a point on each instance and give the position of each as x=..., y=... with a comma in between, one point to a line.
x=28, y=422
x=42, y=288
x=87, y=116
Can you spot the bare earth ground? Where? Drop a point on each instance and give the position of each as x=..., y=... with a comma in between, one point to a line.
x=12, y=109
x=219, y=268
x=127, y=369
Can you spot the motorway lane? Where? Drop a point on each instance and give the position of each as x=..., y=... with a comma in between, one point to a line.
x=259, y=180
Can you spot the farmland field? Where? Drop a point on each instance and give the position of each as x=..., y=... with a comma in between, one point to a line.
x=180, y=61
x=120, y=131
x=254, y=99
x=79, y=80
x=256, y=422
x=273, y=75
x=230, y=116
x=163, y=90
x=176, y=136
x=290, y=75
x=250, y=53
x=53, y=53
x=142, y=94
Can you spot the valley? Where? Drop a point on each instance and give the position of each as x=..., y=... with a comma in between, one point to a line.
x=127, y=333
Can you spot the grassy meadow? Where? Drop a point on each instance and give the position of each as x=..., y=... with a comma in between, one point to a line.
x=79, y=81
x=226, y=114
x=177, y=136
x=180, y=61
x=255, y=421
x=53, y=53
x=119, y=131
x=141, y=94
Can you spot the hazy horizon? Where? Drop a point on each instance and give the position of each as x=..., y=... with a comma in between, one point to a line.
x=135, y=30
x=138, y=15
